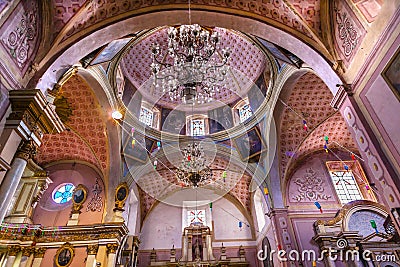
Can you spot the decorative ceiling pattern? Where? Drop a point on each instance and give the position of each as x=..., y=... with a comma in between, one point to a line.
x=63, y=11
x=163, y=182
x=86, y=121
x=246, y=64
x=96, y=11
x=336, y=129
x=310, y=98
x=309, y=10
x=65, y=146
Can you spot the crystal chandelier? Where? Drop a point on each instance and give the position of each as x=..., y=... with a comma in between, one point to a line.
x=192, y=69
x=193, y=170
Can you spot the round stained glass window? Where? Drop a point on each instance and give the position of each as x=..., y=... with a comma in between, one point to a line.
x=63, y=193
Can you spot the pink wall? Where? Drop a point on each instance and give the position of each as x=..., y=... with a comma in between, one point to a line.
x=79, y=259
x=304, y=213
x=49, y=213
x=381, y=104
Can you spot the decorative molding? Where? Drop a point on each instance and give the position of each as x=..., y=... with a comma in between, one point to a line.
x=112, y=248
x=373, y=162
x=346, y=208
x=310, y=187
x=39, y=252
x=92, y=249
x=27, y=251
x=13, y=250
x=340, y=96
x=79, y=233
x=32, y=107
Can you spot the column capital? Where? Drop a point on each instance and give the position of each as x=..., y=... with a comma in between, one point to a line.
x=39, y=252
x=112, y=248
x=27, y=251
x=92, y=249
x=26, y=150
x=13, y=250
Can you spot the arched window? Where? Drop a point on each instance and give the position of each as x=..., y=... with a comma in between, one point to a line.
x=149, y=115
x=197, y=125
x=146, y=116
x=63, y=193
x=243, y=110
x=349, y=181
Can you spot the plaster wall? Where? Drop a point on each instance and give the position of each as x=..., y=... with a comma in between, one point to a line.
x=48, y=213
x=382, y=104
x=163, y=226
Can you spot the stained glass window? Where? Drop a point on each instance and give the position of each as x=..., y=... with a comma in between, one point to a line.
x=146, y=116
x=63, y=193
x=245, y=112
x=346, y=186
x=198, y=127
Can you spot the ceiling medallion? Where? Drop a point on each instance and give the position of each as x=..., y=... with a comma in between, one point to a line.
x=193, y=170
x=191, y=71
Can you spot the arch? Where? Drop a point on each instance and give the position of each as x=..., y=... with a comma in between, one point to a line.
x=66, y=53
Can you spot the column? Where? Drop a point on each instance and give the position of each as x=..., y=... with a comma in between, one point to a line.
x=26, y=150
x=12, y=252
x=31, y=190
x=111, y=257
x=31, y=116
x=91, y=257
x=27, y=256
x=38, y=256
x=283, y=233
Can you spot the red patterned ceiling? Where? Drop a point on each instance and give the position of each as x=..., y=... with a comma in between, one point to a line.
x=87, y=129
x=162, y=183
x=311, y=99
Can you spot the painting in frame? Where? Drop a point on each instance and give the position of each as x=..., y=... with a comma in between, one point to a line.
x=110, y=51
x=249, y=144
x=391, y=74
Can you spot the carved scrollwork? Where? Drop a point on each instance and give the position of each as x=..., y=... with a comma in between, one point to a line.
x=27, y=251
x=26, y=150
x=92, y=249
x=112, y=248
x=39, y=252
x=13, y=250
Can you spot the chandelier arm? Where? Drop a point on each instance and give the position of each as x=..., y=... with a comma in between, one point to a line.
x=166, y=65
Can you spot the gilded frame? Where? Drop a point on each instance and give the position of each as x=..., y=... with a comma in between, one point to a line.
x=69, y=252
x=121, y=190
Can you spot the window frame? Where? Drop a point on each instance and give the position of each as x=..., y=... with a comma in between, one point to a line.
x=358, y=175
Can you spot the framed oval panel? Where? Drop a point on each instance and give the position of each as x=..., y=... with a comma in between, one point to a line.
x=121, y=193
x=79, y=195
x=64, y=255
